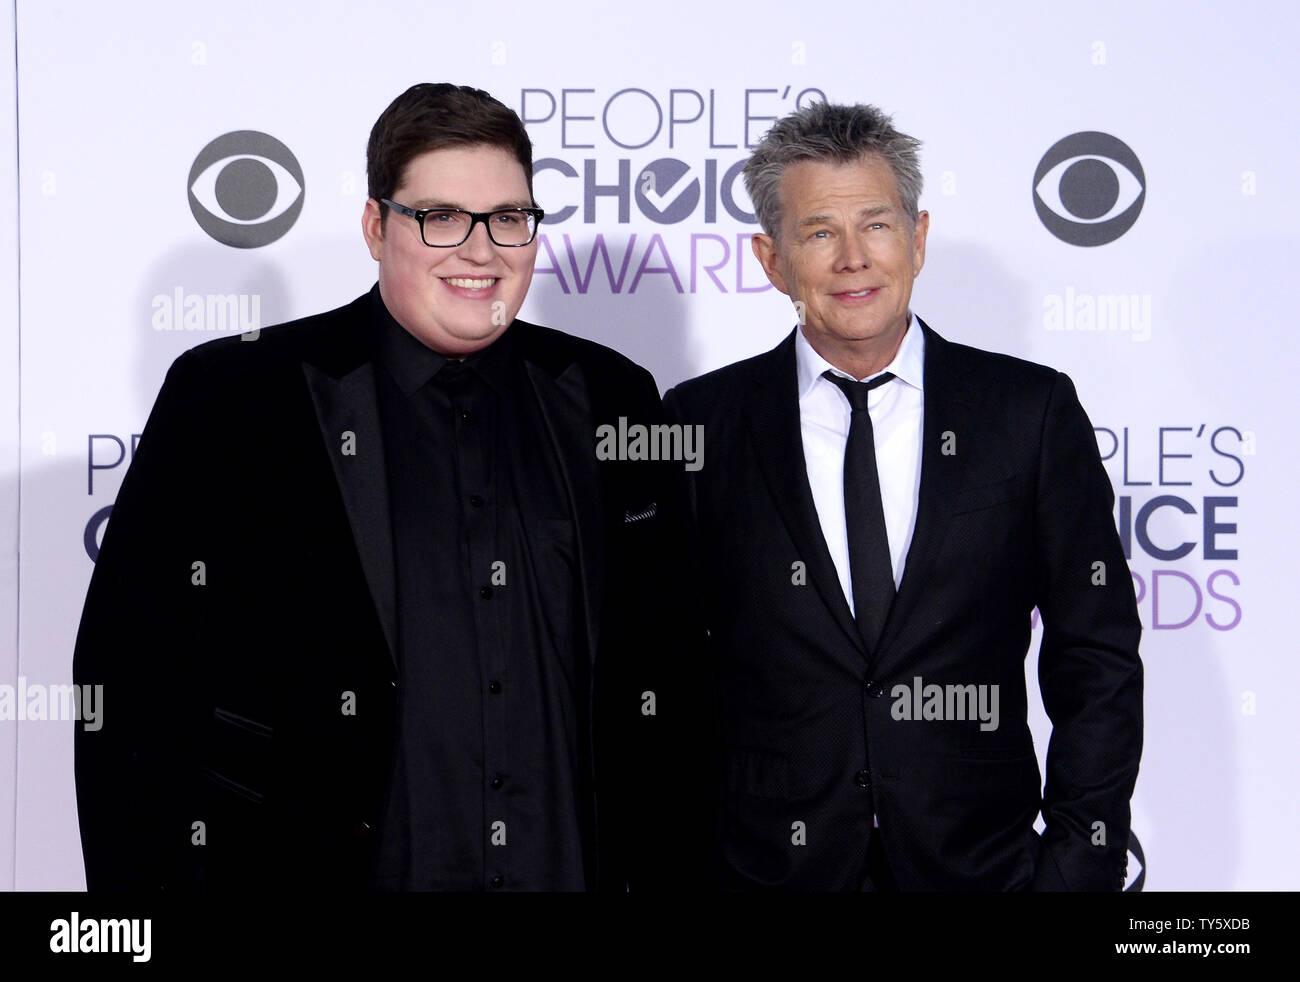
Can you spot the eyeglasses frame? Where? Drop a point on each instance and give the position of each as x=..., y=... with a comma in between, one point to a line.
x=474, y=218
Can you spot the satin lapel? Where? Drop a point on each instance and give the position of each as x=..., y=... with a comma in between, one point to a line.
x=778, y=444
x=566, y=410
x=349, y=404
x=947, y=420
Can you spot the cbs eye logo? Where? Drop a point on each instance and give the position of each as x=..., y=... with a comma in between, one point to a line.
x=1089, y=189
x=246, y=189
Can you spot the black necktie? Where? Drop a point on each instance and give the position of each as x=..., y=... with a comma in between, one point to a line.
x=870, y=569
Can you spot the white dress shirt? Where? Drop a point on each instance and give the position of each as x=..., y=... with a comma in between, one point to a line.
x=896, y=410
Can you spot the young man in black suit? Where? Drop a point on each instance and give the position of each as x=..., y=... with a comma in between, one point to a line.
x=881, y=512
x=370, y=612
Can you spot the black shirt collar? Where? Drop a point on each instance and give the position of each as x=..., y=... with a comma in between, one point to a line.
x=412, y=363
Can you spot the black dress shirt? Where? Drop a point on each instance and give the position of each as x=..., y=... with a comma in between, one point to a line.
x=483, y=791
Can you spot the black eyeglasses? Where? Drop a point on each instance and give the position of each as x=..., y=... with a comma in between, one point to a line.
x=444, y=228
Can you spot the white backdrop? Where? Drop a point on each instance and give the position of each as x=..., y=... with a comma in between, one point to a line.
x=1191, y=394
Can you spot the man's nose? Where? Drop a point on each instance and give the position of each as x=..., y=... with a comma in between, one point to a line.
x=479, y=245
x=854, y=253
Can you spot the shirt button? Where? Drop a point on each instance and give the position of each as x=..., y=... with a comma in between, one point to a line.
x=862, y=779
x=498, y=881
x=875, y=689
x=476, y=500
x=485, y=592
x=494, y=687
x=497, y=782
x=465, y=416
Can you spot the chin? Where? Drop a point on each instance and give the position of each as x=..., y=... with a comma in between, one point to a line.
x=869, y=333
x=467, y=342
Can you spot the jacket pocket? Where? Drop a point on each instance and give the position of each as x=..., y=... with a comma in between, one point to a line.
x=990, y=495
x=997, y=753
x=234, y=787
x=756, y=772
x=238, y=754
x=243, y=722
x=640, y=513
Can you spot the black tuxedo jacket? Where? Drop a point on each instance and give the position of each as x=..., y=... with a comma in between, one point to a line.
x=241, y=617
x=1014, y=512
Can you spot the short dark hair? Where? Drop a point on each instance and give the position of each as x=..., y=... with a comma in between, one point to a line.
x=435, y=116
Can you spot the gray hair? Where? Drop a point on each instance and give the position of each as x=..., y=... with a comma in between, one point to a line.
x=828, y=132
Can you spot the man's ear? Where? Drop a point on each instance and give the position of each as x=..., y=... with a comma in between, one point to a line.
x=764, y=247
x=918, y=241
x=372, y=228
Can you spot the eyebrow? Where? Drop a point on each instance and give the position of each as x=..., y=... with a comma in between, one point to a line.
x=871, y=212
x=503, y=206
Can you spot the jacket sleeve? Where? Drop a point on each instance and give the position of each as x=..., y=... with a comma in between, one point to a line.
x=670, y=794
x=695, y=732
x=131, y=772
x=1089, y=670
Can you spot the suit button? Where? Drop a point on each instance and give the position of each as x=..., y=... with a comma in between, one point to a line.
x=862, y=779
x=485, y=592
x=498, y=881
x=875, y=689
x=494, y=687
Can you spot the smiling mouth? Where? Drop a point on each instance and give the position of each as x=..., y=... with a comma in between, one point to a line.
x=470, y=282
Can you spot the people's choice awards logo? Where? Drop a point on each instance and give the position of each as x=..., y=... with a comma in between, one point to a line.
x=1089, y=189
x=246, y=189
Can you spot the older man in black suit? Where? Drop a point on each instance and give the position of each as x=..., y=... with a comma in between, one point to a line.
x=881, y=512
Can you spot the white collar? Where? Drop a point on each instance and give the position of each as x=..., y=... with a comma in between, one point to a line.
x=908, y=364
